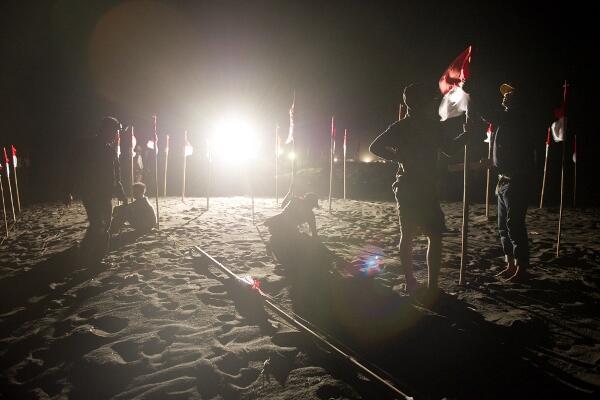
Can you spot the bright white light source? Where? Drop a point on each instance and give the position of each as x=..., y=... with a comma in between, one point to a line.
x=367, y=159
x=292, y=155
x=234, y=140
x=335, y=159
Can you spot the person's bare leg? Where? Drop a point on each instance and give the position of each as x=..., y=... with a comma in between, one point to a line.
x=406, y=237
x=510, y=268
x=434, y=256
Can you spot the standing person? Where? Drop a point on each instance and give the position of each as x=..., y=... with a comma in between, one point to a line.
x=413, y=143
x=97, y=180
x=513, y=159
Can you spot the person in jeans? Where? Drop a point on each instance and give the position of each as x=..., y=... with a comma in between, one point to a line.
x=513, y=159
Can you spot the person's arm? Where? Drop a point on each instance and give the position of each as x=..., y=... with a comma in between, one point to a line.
x=385, y=146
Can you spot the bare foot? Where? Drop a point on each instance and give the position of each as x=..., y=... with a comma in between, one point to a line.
x=520, y=275
x=509, y=271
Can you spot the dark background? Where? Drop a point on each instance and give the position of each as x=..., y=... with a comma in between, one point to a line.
x=67, y=63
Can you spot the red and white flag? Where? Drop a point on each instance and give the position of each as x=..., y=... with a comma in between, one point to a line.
x=119, y=144
x=6, y=162
x=188, y=150
x=455, y=101
x=575, y=149
x=488, y=133
x=558, y=126
x=14, y=155
x=290, y=137
x=345, y=140
x=167, y=145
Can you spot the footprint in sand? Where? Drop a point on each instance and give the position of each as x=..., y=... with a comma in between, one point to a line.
x=226, y=317
x=154, y=346
x=110, y=324
x=128, y=350
x=217, y=289
x=212, y=301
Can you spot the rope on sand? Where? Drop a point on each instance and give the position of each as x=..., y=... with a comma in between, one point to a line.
x=268, y=301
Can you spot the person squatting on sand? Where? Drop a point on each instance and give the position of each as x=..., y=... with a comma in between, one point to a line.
x=413, y=143
x=139, y=213
x=283, y=227
x=96, y=179
x=513, y=159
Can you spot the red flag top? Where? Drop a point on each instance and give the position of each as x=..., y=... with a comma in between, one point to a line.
x=14, y=155
x=457, y=73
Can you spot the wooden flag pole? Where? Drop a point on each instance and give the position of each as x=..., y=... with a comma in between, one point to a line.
x=331, y=151
x=183, y=177
x=574, y=171
x=545, y=169
x=345, y=138
x=562, y=170
x=132, y=170
x=156, y=169
x=208, y=172
x=562, y=185
x=277, y=164
x=487, y=181
x=465, y=217
x=19, y=197
x=166, y=166
x=12, y=205
x=3, y=207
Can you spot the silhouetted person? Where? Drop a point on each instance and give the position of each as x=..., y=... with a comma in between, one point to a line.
x=139, y=213
x=296, y=211
x=513, y=159
x=413, y=143
x=97, y=180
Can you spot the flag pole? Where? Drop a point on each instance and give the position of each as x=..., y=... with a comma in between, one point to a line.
x=208, y=158
x=574, y=171
x=345, y=138
x=331, y=151
x=562, y=171
x=17, y=181
x=156, y=168
x=7, y=165
x=183, y=177
x=3, y=207
x=545, y=169
x=562, y=179
x=465, y=216
x=276, y=164
x=487, y=180
x=132, y=170
x=166, y=166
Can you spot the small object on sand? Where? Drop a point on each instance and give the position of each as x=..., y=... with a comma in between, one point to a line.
x=267, y=371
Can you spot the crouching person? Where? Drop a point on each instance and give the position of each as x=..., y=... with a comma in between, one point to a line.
x=283, y=227
x=139, y=214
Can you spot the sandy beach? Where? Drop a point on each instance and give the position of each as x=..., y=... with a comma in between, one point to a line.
x=155, y=320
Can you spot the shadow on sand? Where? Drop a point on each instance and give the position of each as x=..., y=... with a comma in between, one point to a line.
x=434, y=345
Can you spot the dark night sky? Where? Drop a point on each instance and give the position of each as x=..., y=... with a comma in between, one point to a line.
x=66, y=63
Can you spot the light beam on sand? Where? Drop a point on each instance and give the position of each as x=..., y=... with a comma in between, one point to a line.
x=234, y=140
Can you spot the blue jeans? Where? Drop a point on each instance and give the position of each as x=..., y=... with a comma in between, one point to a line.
x=512, y=207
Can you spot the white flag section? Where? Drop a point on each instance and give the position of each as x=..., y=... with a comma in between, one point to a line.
x=189, y=150
x=454, y=103
x=558, y=130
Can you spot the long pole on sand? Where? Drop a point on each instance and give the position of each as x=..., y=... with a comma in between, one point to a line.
x=465, y=216
x=249, y=283
x=545, y=169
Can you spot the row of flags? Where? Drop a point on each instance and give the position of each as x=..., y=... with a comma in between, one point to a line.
x=7, y=160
